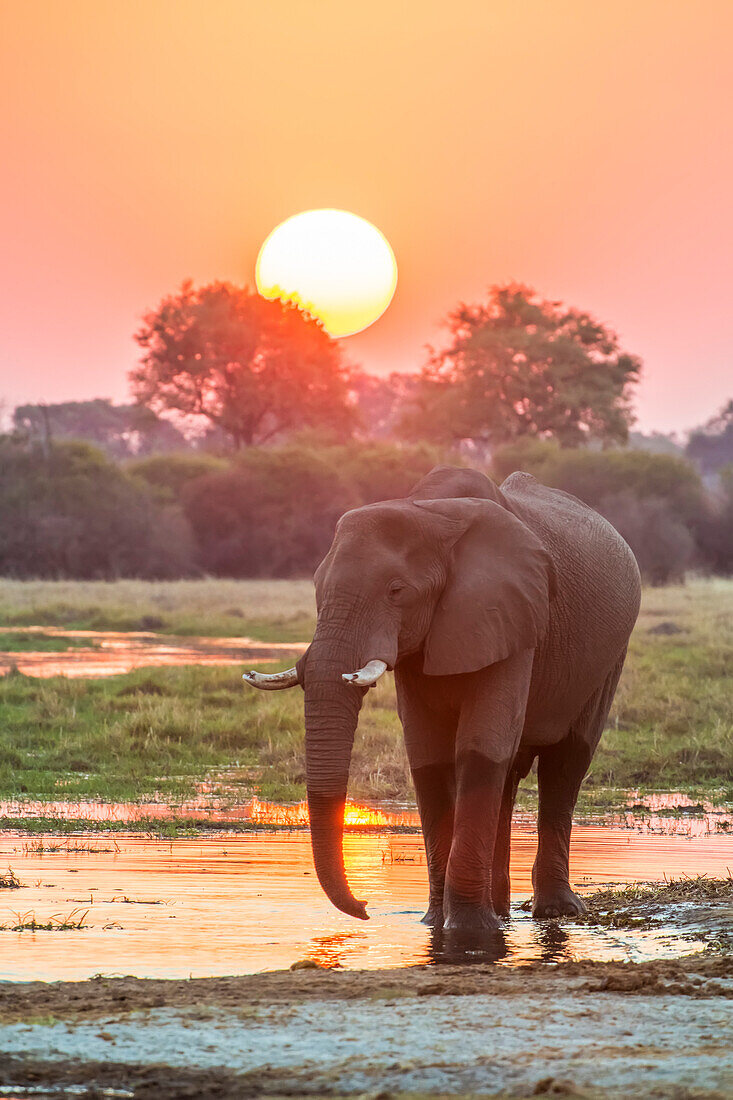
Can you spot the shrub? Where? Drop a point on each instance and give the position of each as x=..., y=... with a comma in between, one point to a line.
x=167, y=474
x=266, y=516
x=656, y=501
x=663, y=546
x=273, y=512
x=67, y=511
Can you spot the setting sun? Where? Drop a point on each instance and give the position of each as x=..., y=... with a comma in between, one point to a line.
x=335, y=264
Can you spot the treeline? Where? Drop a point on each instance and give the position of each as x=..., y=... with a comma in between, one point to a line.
x=69, y=510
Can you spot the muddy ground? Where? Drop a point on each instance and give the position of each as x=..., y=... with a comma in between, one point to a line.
x=656, y=1029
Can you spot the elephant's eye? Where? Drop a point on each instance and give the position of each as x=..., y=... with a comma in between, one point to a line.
x=396, y=588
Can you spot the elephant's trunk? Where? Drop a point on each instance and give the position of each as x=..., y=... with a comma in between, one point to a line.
x=331, y=714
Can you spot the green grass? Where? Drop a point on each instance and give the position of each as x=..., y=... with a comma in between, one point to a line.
x=41, y=643
x=268, y=610
x=159, y=731
x=671, y=725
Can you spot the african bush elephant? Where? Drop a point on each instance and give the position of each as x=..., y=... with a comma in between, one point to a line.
x=505, y=614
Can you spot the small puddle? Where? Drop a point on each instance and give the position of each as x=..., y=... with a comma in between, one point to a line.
x=229, y=904
x=98, y=653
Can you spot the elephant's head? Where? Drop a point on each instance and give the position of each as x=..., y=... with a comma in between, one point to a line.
x=460, y=578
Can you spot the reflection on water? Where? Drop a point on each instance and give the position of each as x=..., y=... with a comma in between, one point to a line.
x=239, y=904
x=213, y=809
x=116, y=652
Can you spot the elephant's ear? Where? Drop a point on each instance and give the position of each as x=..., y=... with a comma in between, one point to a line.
x=497, y=595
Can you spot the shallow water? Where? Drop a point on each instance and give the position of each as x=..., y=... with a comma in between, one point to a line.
x=112, y=652
x=664, y=812
x=239, y=904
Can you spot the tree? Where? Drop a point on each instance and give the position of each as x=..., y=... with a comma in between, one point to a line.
x=380, y=400
x=711, y=446
x=121, y=430
x=523, y=366
x=254, y=368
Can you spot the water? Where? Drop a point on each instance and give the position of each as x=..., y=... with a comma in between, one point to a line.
x=240, y=904
x=112, y=652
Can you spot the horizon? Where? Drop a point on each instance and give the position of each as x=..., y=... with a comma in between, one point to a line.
x=601, y=178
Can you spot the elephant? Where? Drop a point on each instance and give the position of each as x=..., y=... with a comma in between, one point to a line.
x=505, y=614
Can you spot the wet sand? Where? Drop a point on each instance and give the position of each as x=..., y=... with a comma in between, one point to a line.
x=662, y=1029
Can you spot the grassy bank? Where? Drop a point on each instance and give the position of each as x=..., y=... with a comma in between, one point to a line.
x=162, y=730
x=269, y=611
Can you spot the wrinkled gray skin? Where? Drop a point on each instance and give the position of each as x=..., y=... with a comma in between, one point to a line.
x=505, y=614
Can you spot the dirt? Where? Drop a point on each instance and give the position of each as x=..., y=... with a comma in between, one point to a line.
x=661, y=1029
x=694, y=976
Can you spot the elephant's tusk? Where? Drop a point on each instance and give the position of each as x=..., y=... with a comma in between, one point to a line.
x=274, y=682
x=366, y=676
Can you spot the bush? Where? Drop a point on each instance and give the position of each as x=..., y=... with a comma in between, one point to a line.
x=715, y=531
x=377, y=470
x=656, y=501
x=68, y=511
x=266, y=516
x=167, y=474
x=663, y=546
x=273, y=513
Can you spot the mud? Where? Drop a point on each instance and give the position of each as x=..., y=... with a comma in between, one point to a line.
x=692, y=976
x=662, y=1029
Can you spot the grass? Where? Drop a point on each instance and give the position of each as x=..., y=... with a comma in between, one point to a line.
x=41, y=643
x=268, y=611
x=160, y=731
x=671, y=725
x=78, y=847
x=28, y=922
x=643, y=905
x=10, y=881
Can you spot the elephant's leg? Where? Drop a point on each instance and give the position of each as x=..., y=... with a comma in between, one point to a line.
x=561, y=770
x=430, y=735
x=500, y=884
x=489, y=730
x=480, y=784
x=435, y=787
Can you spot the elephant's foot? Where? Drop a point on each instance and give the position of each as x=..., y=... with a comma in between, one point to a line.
x=434, y=916
x=502, y=907
x=471, y=918
x=557, y=900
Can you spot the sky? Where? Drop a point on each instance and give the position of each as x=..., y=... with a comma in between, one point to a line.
x=580, y=146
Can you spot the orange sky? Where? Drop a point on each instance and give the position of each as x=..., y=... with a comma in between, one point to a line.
x=585, y=147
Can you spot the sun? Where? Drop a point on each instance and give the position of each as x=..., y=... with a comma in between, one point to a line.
x=335, y=264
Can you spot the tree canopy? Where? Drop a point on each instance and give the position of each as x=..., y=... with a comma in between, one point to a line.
x=711, y=446
x=518, y=366
x=254, y=368
x=120, y=430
